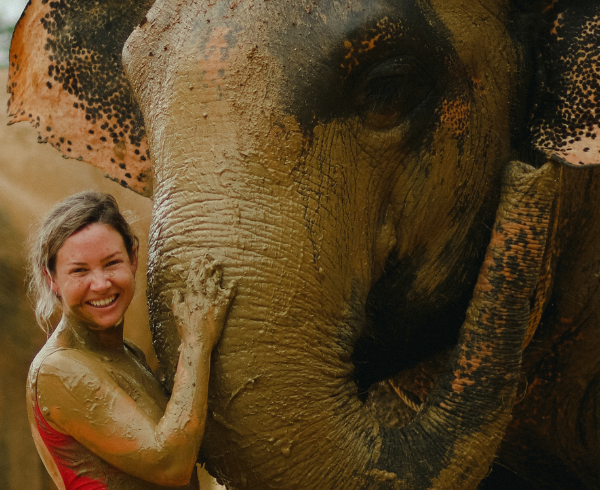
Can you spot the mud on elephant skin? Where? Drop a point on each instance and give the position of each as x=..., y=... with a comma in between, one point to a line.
x=403, y=290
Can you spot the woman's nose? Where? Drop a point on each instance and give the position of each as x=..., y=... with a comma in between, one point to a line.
x=100, y=280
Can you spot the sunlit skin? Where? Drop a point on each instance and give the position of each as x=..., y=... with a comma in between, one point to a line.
x=99, y=392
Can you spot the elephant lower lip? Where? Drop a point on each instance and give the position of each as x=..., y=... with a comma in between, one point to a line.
x=412, y=386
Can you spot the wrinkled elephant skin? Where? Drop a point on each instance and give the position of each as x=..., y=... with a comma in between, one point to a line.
x=346, y=187
x=348, y=164
x=304, y=197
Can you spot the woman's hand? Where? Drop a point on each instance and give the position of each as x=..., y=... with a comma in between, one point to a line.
x=200, y=314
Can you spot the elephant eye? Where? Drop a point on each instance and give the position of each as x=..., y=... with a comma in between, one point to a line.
x=391, y=91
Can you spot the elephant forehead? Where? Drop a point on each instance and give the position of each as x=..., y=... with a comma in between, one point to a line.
x=333, y=55
x=314, y=55
x=327, y=51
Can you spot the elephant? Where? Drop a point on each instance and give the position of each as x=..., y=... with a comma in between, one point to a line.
x=407, y=195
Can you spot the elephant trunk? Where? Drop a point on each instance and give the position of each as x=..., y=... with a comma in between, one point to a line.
x=283, y=409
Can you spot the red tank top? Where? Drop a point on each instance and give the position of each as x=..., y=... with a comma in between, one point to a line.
x=64, y=450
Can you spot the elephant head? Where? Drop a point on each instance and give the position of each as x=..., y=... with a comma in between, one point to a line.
x=348, y=164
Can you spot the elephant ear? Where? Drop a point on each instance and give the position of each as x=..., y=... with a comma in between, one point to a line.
x=567, y=118
x=66, y=77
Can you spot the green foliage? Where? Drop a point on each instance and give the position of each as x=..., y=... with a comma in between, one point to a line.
x=6, y=30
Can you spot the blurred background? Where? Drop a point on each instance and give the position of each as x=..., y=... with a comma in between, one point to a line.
x=10, y=11
x=33, y=177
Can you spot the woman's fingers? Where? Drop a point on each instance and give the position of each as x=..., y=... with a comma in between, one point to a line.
x=231, y=289
x=204, y=275
x=202, y=309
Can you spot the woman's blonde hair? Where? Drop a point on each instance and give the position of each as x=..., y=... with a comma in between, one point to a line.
x=66, y=218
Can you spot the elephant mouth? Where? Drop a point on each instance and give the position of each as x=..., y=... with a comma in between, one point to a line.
x=414, y=385
x=398, y=399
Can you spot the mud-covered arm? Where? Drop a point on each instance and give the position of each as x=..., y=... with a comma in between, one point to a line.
x=78, y=396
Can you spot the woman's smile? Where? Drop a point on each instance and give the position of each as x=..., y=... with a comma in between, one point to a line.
x=103, y=303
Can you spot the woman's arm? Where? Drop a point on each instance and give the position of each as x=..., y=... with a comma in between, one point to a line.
x=79, y=397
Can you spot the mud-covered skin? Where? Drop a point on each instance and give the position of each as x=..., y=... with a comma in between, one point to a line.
x=67, y=53
x=343, y=160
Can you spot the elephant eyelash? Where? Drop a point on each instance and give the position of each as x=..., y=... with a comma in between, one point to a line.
x=383, y=92
x=391, y=92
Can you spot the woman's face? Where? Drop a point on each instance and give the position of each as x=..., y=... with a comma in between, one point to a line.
x=95, y=277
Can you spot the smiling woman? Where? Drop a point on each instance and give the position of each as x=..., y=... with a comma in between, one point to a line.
x=99, y=417
x=95, y=283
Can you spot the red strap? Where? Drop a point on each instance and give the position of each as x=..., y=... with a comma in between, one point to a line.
x=64, y=449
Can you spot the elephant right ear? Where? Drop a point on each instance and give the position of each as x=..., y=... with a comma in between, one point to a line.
x=566, y=124
x=66, y=77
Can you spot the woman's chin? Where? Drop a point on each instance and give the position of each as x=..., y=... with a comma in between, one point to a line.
x=103, y=320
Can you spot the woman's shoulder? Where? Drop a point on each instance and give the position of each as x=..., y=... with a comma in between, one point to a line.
x=48, y=351
x=56, y=356
x=67, y=359
x=68, y=384
x=59, y=376
x=55, y=348
x=61, y=368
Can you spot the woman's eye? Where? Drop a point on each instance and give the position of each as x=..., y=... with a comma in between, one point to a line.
x=78, y=270
x=113, y=263
x=391, y=91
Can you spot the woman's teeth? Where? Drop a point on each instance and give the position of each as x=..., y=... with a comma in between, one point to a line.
x=103, y=302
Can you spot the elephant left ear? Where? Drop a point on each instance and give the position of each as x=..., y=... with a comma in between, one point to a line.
x=66, y=77
x=566, y=124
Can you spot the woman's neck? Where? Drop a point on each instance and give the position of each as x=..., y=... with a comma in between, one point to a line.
x=82, y=335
